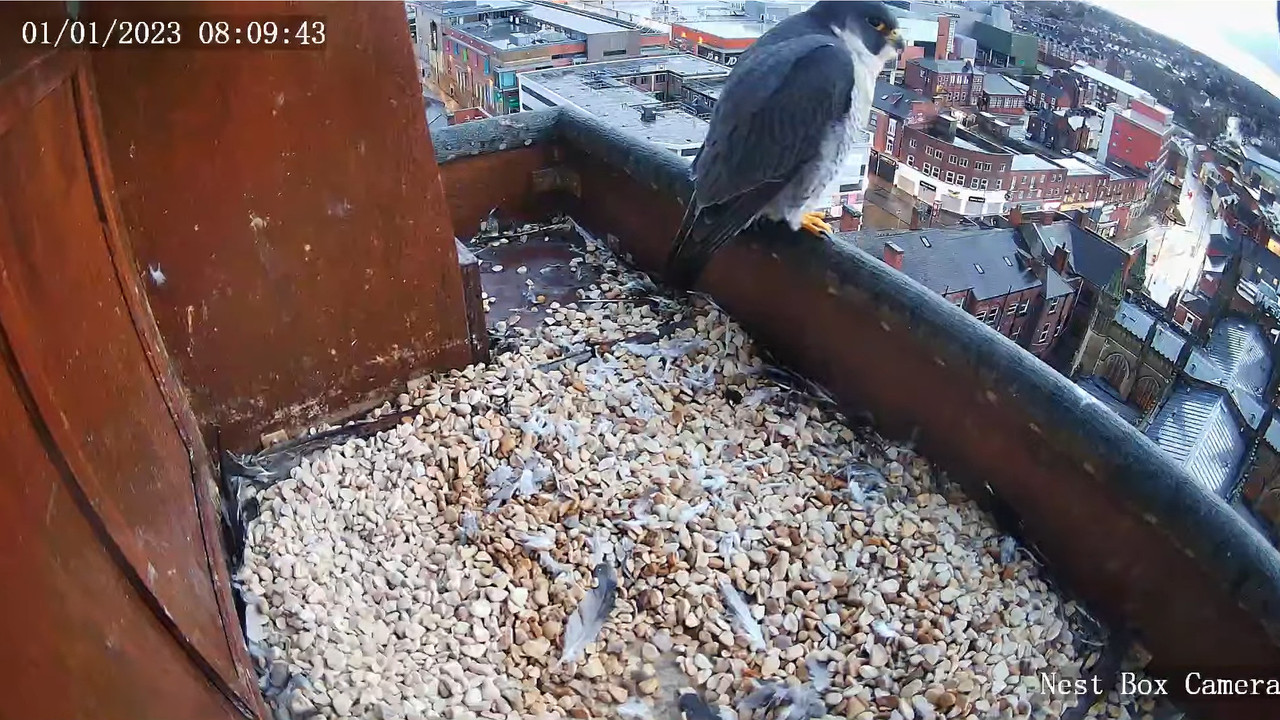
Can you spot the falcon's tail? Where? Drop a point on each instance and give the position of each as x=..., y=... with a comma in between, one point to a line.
x=704, y=231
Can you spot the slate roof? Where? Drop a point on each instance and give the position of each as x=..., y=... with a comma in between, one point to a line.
x=895, y=100
x=1102, y=392
x=1056, y=285
x=945, y=66
x=996, y=84
x=950, y=261
x=1196, y=429
x=1237, y=359
x=1197, y=303
x=1089, y=256
x=1168, y=343
x=1260, y=256
x=1134, y=319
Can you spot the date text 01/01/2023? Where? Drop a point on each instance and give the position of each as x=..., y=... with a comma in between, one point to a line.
x=276, y=33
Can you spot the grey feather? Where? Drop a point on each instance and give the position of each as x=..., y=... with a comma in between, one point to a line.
x=584, y=626
x=741, y=615
x=819, y=674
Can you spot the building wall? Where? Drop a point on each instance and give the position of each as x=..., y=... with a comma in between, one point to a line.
x=949, y=89
x=919, y=149
x=1131, y=143
x=1040, y=186
x=1003, y=104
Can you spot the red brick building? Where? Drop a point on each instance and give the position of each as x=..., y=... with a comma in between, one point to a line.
x=990, y=274
x=719, y=41
x=950, y=83
x=1059, y=91
x=1002, y=96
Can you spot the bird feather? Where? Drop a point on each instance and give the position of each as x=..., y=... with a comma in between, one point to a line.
x=584, y=626
x=741, y=615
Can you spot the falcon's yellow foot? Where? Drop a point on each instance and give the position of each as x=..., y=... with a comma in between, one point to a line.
x=814, y=223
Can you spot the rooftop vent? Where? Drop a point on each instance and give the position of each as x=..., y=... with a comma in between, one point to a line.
x=979, y=269
x=648, y=115
x=926, y=242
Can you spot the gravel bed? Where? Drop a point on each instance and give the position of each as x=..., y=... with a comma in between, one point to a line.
x=447, y=567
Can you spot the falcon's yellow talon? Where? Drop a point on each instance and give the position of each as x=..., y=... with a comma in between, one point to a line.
x=814, y=223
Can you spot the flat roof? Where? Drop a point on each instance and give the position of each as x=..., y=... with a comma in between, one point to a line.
x=1076, y=167
x=729, y=29
x=997, y=84
x=452, y=8
x=596, y=90
x=946, y=66
x=1031, y=162
x=1145, y=121
x=1110, y=80
x=573, y=21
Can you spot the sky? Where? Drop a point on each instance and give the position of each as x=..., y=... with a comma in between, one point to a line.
x=1241, y=34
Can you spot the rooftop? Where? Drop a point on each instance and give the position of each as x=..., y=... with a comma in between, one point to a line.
x=458, y=8
x=1145, y=121
x=584, y=24
x=506, y=36
x=729, y=29
x=945, y=66
x=984, y=261
x=1196, y=430
x=1076, y=167
x=1236, y=359
x=997, y=84
x=1031, y=163
x=895, y=100
x=1104, y=78
x=595, y=88
x=1088, y=255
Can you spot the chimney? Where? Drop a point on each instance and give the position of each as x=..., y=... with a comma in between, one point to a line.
x=1015, y=217
x=942, y=48
x=1060, y=259
x=1046, y=218
x=893, y=255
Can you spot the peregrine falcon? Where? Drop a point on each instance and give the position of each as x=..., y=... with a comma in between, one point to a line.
x=788, y=115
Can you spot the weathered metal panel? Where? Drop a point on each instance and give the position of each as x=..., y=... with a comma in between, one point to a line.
x=1118, y=522
x=291, y=202
x=80, y=641
x=112, y=467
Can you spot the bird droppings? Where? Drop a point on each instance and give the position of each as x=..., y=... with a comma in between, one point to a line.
x=629, y=504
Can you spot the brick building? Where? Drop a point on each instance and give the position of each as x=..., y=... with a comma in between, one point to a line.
x=988, y=273
x=1069, y=131
x=484, y=45
x=950, y=83
x=719, y=41
x=1003, y=96
x=1059, y=91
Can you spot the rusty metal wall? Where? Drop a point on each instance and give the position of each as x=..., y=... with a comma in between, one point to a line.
x=1118, y=525
x=290, y=202
x=114, y=582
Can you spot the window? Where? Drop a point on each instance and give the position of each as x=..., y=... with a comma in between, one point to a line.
x=614, y=53
x=911, y=160
x=1053, y=305
x=973, y=183
x=993, y=317
x=926, y=168
x=850, y=187
x=1022, y=309
x=1044, y=335
x=935, y=171
x=999, y=184
x=911, y=143
x=981, y=315
x=983, y=185
x=964, y=162
x=952, y=159
x=951, y=177
x=960, y=180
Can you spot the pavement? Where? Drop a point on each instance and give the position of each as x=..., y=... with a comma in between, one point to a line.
x=888, y=208
x=1174, y=258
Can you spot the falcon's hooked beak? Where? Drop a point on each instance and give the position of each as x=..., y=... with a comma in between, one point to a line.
x=894, y=38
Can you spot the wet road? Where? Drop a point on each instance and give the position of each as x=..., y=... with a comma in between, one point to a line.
x=1174, y=260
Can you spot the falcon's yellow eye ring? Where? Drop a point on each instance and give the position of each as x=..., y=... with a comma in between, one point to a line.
x=879, y=25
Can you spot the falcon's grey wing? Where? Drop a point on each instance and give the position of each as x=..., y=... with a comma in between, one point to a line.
x=772, y=116
x=770, y=122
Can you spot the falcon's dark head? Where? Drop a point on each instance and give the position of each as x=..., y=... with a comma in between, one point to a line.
x=869, y=27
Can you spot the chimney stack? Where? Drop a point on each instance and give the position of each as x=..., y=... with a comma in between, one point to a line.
x=893, y=255
x=1046, y=218
x=1015, y=217
x=1060, y=259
